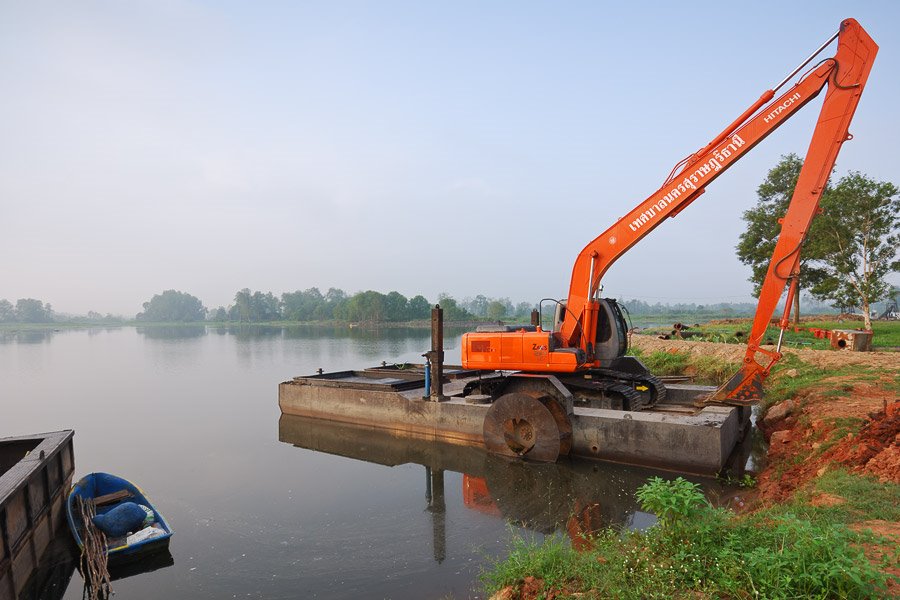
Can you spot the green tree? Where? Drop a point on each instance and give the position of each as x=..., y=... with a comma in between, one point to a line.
x=419, y=308
x=395, y=306
x=265, y=307
x=496, y=309
x=255, y=307
x=334, y=300
x=365, y=306
x=29, y=310
x=478, y=305
x=304, y=306
x=860, y=231
x=523, y=309
x=172, y=306
x=241, y=310
x=756, y=244
x=7, y=311
x=452, y=310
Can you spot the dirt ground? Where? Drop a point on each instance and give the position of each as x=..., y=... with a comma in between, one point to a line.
x=808, y=441
x=805, y=427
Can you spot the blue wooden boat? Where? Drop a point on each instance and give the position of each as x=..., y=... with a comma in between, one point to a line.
x=107, y=492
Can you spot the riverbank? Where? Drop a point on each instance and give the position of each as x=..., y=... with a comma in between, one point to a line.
x=829, y=486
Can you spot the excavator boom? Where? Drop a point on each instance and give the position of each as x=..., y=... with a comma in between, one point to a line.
x=582, y=339
x=852, y=63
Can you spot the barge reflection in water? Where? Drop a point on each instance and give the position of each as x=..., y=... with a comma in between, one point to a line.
x=574, y=497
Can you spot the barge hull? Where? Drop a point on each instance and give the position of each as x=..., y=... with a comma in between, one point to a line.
x=675, y=436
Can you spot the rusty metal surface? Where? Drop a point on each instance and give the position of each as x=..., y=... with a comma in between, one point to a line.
x=417, y=371
x=33, y=487
x=743, y=389
x=538, y=384
x=698, y=442
x=436, y=356
x=520, y=425
x=360, y=380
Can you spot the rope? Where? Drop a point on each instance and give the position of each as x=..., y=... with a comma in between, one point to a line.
x=93, y=562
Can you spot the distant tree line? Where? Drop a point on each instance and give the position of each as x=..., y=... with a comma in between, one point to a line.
x=714, y=310
x=724, y=309
x=29, y=310
x=311, y=305
x=336, y=305
x=25, y=310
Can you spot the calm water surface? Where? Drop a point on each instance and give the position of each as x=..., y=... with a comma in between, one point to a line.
x=271, y=507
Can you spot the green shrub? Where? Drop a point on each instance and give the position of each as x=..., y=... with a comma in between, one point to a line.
x=675, y=503
x=696, y=548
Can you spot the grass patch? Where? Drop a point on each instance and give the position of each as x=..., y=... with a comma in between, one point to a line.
x=791, y=551
x=842, y=428
x=781, y=385
x=886, y=333
x=713, y=370
x=661, y=362
x=706, y=370
x=865, y=497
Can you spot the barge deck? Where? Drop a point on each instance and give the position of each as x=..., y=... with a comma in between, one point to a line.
x=674, y=435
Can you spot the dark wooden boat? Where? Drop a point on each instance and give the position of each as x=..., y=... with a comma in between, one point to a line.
x=107, y=492
x=35, y=476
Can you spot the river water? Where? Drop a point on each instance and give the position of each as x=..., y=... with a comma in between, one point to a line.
x=265, y=506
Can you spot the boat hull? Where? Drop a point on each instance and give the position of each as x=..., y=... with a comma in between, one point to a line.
x=96, y=485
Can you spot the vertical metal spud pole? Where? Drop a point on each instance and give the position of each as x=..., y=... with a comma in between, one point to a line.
x=437, y=353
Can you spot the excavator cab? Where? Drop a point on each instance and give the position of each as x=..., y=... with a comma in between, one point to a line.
x=559, y=316
x=611, y=340
x=612, y=332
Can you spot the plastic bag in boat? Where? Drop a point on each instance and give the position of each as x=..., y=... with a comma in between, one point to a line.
x=121, y=519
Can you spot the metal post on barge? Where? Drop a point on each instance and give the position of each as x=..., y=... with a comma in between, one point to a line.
x=434, y=370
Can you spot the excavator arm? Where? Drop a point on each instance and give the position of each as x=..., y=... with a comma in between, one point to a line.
x=851, y=65
x=574, y=346
x=845, y=74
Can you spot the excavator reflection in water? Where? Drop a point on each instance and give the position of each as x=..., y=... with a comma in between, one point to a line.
x=585, y=519
x=576, y=497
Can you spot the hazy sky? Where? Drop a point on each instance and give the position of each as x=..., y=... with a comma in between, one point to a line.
x=423, y=147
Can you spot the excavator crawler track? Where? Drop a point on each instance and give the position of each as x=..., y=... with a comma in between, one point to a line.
x=657, y=390
x=631, y=398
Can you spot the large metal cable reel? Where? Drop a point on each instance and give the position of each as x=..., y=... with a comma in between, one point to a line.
x=528, y=424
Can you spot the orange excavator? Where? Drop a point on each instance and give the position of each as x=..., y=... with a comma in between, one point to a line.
x=585, y=350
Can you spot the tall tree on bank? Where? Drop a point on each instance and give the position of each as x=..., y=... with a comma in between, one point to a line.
x=241, y=308
x=859, y=229
x=172, y=306
x=7, y=311
x=756, y=244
